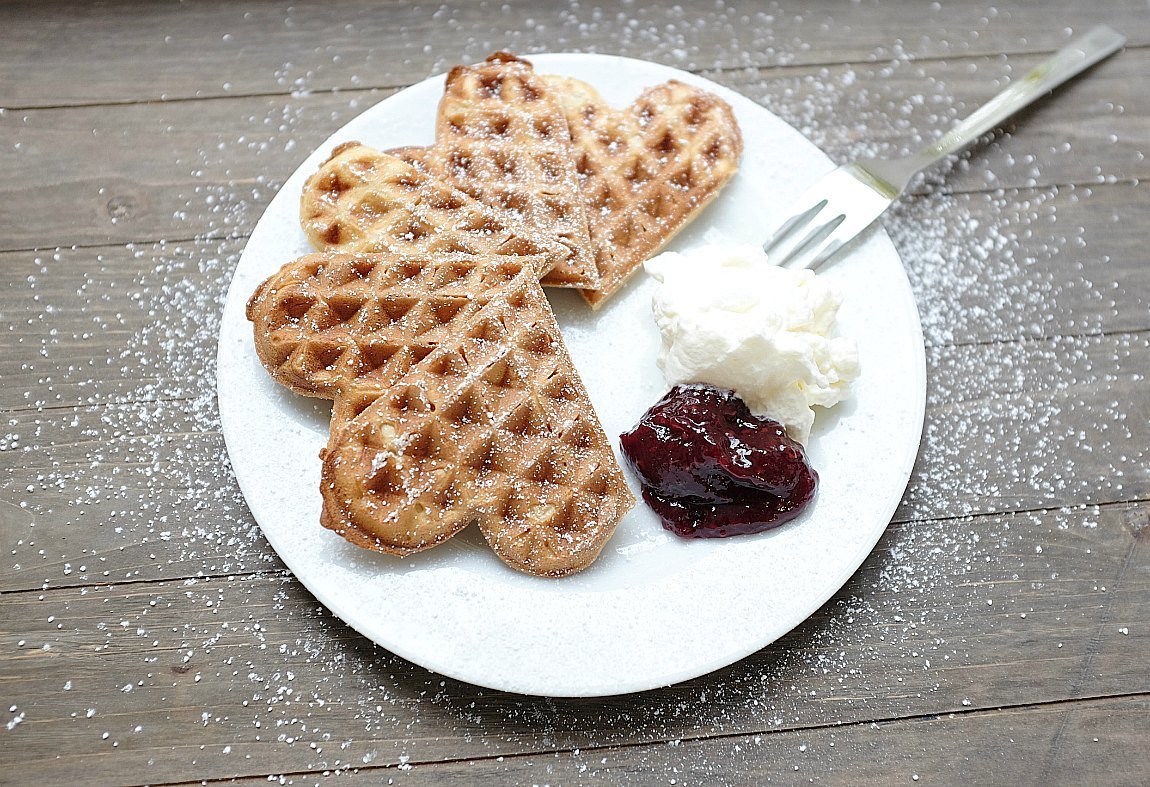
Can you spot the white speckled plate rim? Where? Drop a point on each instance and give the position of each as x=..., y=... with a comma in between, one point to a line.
x=654, y=609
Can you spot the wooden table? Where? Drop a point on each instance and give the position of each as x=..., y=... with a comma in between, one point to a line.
x=998, y=634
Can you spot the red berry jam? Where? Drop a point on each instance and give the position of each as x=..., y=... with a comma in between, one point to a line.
x=711, y=469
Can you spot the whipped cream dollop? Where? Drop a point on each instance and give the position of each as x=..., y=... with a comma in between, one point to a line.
x=731, y=318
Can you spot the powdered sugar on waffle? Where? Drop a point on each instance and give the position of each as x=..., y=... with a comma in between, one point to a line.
x=292, y=678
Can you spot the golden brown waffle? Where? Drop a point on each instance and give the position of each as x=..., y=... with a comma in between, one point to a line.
x=456, y=402
x=647, y=169
x=362, y=200
x=502, y=138
x=414, y=155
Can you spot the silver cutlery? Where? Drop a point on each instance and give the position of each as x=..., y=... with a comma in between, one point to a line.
x=845, y=202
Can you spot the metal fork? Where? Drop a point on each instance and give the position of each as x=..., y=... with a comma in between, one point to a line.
x=845, y=202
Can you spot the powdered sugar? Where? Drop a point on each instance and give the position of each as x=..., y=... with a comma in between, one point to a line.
x=134, y=485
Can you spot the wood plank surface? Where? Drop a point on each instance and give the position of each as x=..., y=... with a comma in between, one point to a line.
x=144, y=491
x=177, y=170
x=210, y=49
x=1093, y=743
x=943, y=617
x=139, y=323
x=148, y=634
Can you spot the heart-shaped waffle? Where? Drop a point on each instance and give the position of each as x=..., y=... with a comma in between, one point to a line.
x=455, y=402
x=647, y=169
x=501, y=137
x=362, y=200
x=502, y=140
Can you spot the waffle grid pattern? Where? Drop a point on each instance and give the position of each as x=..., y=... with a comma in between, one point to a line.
x=424, y=321
x=456, y=402
x=502, y=139
x=362, y=200
x=647, y=169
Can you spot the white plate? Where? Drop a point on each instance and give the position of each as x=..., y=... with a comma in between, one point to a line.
x=654, y=609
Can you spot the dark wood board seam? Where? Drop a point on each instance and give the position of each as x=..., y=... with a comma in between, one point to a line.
x=765, y=70
x=940, y=190
x=285, y=573
x=891, y=720
x=115, y=403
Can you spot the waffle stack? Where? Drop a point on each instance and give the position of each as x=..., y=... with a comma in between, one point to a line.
x=424, y=320
x=613, y=186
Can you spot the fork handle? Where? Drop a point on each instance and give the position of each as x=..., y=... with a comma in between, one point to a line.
x=1072, y=59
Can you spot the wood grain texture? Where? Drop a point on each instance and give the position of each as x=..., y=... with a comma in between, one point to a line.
x=143, y=491
x=139, y=323
x=218, y=48
x=149, y=634
x=147, y=172
x=175, y=170
x=1093, y=743
x=943, y=617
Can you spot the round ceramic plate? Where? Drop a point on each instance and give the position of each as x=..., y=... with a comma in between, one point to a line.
x=654, y=609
